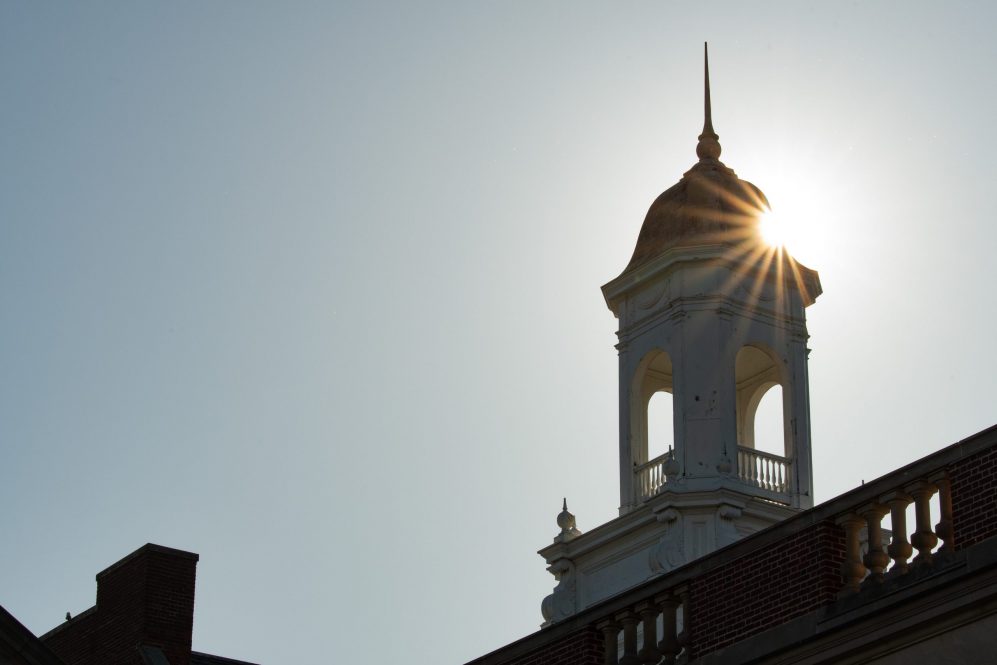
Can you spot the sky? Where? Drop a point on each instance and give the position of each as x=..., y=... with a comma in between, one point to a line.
x=312, y=289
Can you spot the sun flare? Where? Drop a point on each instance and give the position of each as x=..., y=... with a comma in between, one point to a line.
x=800, y=215
x=773, y=229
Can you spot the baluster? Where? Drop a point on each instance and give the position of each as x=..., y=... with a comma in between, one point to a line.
x=683, y=636
x=610, y=631
x=628, y=620
x=767, y=470
x=649, y=619
x=924, y=539
x=852, y=570
x=899, y=549
x=944, y=528
x=669, y=644
x=875, y=559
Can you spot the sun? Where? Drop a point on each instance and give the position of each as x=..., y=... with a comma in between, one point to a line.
x=773, y=229
x=804, y=205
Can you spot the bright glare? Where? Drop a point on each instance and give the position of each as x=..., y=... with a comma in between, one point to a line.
x=773, y=229
x=805, y=207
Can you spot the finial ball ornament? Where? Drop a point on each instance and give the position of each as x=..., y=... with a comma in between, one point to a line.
x=708, y=148
x=565, y=520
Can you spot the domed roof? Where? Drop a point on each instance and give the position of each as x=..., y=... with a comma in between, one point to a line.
x=710, y=204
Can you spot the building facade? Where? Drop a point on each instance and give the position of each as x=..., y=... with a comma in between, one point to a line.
x=144, y=615
x=718, y=554
x=713, y=317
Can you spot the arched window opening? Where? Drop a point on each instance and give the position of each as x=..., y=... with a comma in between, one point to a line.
x=760, y=414
x=652, y=428
x=769, y=432
x=651, y=407
x=660, y=424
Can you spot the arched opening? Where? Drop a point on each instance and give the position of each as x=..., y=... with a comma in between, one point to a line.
x=652, y=424
x=763, y=446
x=660, y=424
x=757, y=379
x=769, y=435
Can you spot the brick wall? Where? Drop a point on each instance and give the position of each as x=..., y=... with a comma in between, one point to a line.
x=974, y=498
x=582, y=648
x=73, y=641
x=765, y=588
x=147, y=598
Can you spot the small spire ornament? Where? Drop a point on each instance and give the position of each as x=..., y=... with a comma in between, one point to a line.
x=566, y=521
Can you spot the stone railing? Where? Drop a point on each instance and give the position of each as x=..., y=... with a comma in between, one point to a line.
x=761, y=469
x=638, y=626
x=829, y=562
x=878, y=562
x=651, y=476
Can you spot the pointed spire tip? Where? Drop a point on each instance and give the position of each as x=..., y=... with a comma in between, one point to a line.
x=709, y=145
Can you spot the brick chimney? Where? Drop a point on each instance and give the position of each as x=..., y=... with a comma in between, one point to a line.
x=144, y=600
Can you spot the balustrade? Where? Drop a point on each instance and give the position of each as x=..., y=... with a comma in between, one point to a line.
x=755, y=467
x=638, y=627
x=858, y=569
x=763, y=469
x=631, y=635
x=652, y=475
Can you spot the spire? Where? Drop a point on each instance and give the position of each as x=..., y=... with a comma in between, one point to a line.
x=709, y=145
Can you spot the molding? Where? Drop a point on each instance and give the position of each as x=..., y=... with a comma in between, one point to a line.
x=620, y=287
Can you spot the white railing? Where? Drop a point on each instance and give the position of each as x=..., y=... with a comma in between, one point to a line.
x=765, y=470
x=650, y=476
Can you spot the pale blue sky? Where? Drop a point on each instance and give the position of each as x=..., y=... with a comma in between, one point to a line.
x=312, y=289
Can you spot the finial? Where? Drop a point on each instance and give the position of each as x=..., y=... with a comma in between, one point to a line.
x=566, y=521
x=709, y=144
